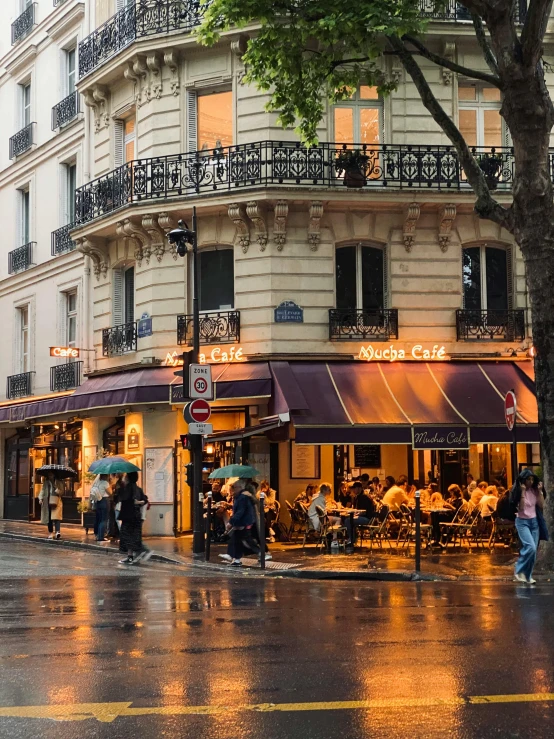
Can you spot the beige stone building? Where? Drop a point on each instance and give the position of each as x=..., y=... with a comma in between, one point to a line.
x=371, y=306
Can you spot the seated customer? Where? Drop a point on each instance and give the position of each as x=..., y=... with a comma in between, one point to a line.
x=323, y=499
x=504, y=512
x=345, y=498
x=489, y=502
x=397, y=494
x=478, y=493
x=364, y=502
x=455, y=499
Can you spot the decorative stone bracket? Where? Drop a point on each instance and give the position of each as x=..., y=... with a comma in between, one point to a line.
x=257, y=216
x=171, y=60
x=157, y=230
x=238, y=216
x=96, y=250
x=127, y=229
x=97, y=99
x=148, y=235
x=314, y=225
x=411, y=218
x=447, y=216
x=280, y=223
x=448, y=52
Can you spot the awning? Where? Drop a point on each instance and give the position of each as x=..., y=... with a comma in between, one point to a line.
x=383, y=402
x=266, y=424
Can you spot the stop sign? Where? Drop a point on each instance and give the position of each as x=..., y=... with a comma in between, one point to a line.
x=199, y=411
x=510, y=409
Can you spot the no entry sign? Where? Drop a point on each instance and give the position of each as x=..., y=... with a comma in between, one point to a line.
x=198, y=411
x=510, y=409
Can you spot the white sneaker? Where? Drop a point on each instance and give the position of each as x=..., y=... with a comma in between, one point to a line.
x=50, y=536
x=531, y=581
x=58, y=535
x=268, y=557
x=236, y=563
x=226, y=557
x=334, y=545
x=520, y=577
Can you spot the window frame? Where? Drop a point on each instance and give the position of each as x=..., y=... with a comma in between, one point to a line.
x=357, y=104
x=24, y=215
x=26, y=105
x=70, y=314
x=359, y=246
x=70, y=77
x=508, y=250
x=24, y=331
x=204, y=250
x=480, y=106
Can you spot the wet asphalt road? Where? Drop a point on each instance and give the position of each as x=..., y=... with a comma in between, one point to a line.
x=157, y=653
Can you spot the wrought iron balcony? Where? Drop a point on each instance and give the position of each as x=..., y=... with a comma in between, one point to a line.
x=65, y=376
x=62, y=243
x=58, y=2
x=453, y=11
x=490, y=325
x=354, y=325
x=138, y=20
x=24, y=23
x=21, y=141
x=282, y=164
x=21, y=258
x=18, y=386
x=222, y=327
x=66, y=110
x=119, y=339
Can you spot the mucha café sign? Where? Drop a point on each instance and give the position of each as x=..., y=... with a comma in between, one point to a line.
x=440, y=437
x=418, y=353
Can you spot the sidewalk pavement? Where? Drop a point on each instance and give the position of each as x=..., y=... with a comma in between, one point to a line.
x=290, y=560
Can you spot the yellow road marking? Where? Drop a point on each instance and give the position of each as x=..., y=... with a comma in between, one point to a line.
x=108, y=712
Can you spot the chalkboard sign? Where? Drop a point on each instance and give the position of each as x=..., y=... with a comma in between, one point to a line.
x=367, y=455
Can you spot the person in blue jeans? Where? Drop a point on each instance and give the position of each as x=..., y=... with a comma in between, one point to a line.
x=100, y=493
x=527, y=499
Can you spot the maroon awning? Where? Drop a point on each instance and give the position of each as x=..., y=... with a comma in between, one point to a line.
x=242, y=380
x=266, y=424
x=123, y=388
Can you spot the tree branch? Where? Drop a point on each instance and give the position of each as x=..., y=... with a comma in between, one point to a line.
x=534, y=29
x=485, y=206
x=442, y=62
x=484, y=43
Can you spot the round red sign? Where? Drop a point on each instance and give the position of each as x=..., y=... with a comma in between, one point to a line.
x=510, y=409
x=200, y=410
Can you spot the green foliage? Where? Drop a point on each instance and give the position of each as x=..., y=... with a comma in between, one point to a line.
x=305, y=52
x=349, y=159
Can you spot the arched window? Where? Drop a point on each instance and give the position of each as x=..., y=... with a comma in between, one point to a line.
x=487, y=277
x=361, y=282
x=217, y=279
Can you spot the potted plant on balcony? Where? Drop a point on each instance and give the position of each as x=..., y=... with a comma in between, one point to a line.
x=353, y=163
x=491, y=164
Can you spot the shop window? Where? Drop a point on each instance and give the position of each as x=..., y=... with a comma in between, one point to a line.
x=487, y=277
x=217, y=282
x=479, y=118
x=124, y=295
x=361, y=277
x=360, y=118
x=209, y=120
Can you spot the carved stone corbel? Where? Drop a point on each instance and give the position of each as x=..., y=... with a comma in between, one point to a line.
x=96, y=98
x=238, y=216
x=166, y=223
x=171, y=60
x=447, y=216
x=98, y=256
x=156, y=234
x=397, y=71
x=411, y=217
x=154, y=64
x=448, y=52
x=257, y=216
x=314, y=226
x=141, y=239
x=280, y=223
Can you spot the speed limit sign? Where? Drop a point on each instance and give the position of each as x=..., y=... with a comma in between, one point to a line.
x=200, y=382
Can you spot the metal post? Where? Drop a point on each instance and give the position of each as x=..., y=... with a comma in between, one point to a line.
x=198, y=539
x=208, y=526
x=515, y=466
x=418, y=531
x=261, y=530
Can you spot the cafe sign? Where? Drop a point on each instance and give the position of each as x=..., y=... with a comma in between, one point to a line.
x=66, y=352
x=418, y=352
x=440, y=437
x=217, y=355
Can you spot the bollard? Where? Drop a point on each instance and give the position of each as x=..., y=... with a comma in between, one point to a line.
x=418, y=530
x=261, y=530
x=208, y=526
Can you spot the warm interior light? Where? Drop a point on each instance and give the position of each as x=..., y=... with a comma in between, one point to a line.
x=497, y=449
x=56, y=426
x=210, y=449
x=532, y=352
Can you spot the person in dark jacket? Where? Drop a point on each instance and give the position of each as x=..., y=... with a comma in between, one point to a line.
x=132, y=499
x=527, y=501
x=241, y=523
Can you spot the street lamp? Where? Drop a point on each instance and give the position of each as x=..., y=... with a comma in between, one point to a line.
x=182, y=238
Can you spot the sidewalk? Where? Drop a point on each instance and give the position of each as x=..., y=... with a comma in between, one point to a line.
x=290, y=560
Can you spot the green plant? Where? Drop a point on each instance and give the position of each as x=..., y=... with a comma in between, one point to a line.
x=83, y=506
x=351, y=159
x=491, y=164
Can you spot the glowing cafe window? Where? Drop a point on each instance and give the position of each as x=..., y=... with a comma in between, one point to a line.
x=359, y=119
x=479, y=116
x=487, y=277
x=361, y=277
x=217, y=279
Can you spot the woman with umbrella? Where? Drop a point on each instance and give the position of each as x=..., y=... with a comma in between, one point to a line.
x=50, y=496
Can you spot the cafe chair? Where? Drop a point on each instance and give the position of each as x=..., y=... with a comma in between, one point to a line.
x=407, y=532
x=377, y=531
x=503, y=531
x=297, y=521
x=328, y=529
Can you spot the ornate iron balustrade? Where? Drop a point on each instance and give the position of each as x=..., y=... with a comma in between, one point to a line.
x=141, y=19
x=21, y=258
x=65, y=376
x=490, y=325
x=353, y=325
x=58, y=2
x=21, y=141
x=222, y=327
x=62, y=243
x=453, y=11
x=18, y=386
x=119, y=339
x=66, y=110
x=275, y=164
x=24, y=23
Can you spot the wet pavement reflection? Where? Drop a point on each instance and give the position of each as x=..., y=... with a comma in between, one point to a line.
x=77, y=629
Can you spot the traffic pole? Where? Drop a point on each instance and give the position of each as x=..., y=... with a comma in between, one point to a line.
x=261, y=530
x=208, y=526
x=418, y=531
x=515, y=466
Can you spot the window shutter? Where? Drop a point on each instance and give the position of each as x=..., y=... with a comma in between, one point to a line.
x=130, y=295
x=117, y=305
x=62, y=308
x=192, y=121
x=386, y=297
x=510, y=278
x=119, y=143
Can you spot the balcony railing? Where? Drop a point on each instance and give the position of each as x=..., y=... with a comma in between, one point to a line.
x=62, y=243
x=354, y=325
x=18, y=386
x=65, y=376
x=141, y=19
x=453, y=11
x=119, y=339
x=222, y=327
x=21, y=141
x=24, y=23
x=58, y=2
x=21, y=258
x=276, y=164
x=490, y=325
x=66, y=110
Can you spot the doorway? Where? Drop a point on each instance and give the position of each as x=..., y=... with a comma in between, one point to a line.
x=17, y=493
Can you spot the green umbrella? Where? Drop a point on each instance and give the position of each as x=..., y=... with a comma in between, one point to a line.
x=235, y=470
x=111, y=465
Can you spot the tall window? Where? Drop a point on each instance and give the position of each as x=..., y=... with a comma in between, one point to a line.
x=71, y=318
x=69, y=195
x=125, y=141
x=124, y=295
x=24, y=339
x=217, y=283
x=25, y=217
x=25, y=104
x=70, y=70
x=480, y=121
x=210, y=120
x=486, y=278
x=359, y=120
x=361, y=277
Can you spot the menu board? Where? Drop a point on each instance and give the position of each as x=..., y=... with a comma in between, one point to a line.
x=304, y=461
x=158, y=474
x=367, y=455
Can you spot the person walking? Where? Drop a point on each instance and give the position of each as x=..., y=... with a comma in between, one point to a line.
x=100, y=495
x=526, y=499
x=241, y=523
x=50, y=498
x=132, y=500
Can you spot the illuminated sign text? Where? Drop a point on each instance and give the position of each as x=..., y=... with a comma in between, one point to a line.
x=216, y=356
x=64, y=351
x=392, y=354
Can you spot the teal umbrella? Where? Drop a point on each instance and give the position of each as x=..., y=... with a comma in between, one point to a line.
x=235, y=470
x=111, y=465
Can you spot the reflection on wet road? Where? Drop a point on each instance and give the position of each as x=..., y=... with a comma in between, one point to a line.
x=90, y=649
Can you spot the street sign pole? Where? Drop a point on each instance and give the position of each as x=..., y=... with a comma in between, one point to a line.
x=198, y=540
x=208, y=526
x=418, y=530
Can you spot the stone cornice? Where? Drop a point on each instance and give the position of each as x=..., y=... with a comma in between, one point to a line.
x=22, y=61
x=66, y=22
